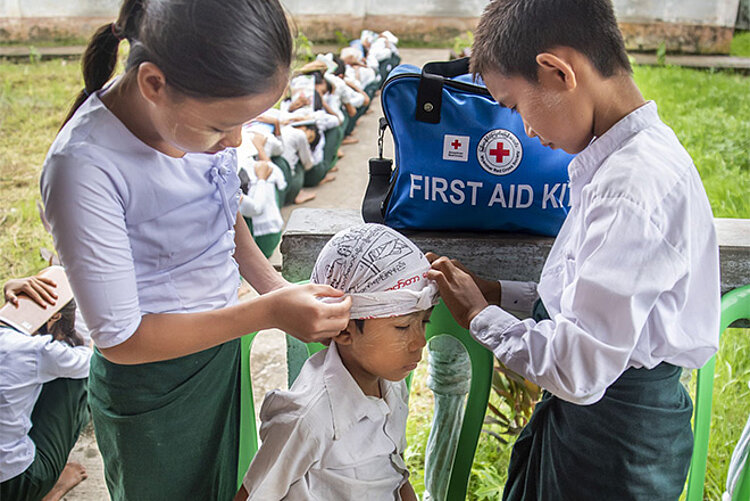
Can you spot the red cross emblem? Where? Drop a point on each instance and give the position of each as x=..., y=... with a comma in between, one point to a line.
x=456, y=144
x=499, y=152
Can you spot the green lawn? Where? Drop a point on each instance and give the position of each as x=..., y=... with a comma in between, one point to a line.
x=34, y=99
x=709, y=112
x=740, y=44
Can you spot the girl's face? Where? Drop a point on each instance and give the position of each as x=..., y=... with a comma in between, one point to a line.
x=193, y=125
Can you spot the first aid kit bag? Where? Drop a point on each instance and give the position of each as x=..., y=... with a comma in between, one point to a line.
x=462, y=162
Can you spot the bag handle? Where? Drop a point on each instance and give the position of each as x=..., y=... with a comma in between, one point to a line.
x=379, y=184
x=448, y=69
x=430, y=92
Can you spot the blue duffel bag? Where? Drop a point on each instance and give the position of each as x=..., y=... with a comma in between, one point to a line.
x=462, y=161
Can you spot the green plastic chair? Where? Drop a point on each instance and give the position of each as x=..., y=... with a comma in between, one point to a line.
x=441, y=323
x=735, y=305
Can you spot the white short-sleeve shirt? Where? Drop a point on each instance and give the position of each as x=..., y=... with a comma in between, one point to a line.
x=325, y=439
x=139, y=231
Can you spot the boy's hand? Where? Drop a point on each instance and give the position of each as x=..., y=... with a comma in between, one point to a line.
x=491, y=289
x=40, y=289
x=458, y=290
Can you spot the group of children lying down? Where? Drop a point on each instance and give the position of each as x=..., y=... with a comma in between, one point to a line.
x=294, y=147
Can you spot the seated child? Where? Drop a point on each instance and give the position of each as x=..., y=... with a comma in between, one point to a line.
x=42, y=398
x=262, y=184
x=339, y=432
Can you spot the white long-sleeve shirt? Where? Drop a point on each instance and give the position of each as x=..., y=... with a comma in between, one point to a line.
x=632, y=279
x=26, y=363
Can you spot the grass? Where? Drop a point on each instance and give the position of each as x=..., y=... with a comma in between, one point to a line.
x=709, y=113
x=708, y=110
x=740, y=44
x=33, y=101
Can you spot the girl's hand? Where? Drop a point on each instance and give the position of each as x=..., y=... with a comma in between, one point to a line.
x=458, y=290
x=303, y=312
x=40, y=289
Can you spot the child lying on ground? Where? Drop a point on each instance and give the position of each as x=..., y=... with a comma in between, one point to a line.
x=339, y=432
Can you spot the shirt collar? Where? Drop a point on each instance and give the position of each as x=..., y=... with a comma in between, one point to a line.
x=583, y=167
x=349, y=404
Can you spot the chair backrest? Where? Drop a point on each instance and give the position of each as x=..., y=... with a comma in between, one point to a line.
x=735, y=305
x=441, y=323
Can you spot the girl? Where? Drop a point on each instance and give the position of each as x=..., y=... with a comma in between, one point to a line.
x=159, y=290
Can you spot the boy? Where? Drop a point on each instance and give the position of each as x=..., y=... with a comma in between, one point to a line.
x=632, y=282
x=339, y=432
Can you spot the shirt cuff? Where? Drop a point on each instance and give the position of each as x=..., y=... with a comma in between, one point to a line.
x=518, y=296
x=487, y=327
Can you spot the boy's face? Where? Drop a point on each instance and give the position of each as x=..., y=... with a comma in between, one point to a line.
x=550, y=110
x=387, y=347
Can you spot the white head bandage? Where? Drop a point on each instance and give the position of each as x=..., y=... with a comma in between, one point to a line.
x=383, y=272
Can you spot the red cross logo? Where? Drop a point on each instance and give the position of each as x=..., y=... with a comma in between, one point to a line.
x=499, y=152
x=456, y=144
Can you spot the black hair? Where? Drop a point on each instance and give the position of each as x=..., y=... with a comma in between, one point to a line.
x=317, y=101
x=360, y=323
x=318, y=77
x=316, y=139
x=205, y=48
x=511, y=33
x=340, y=66
x=64, y=328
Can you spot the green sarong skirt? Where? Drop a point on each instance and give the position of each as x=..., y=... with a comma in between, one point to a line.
x=59, y=415
x=169, y=430
x=633, y=444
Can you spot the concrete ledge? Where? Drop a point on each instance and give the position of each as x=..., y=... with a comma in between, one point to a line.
x=510, y=256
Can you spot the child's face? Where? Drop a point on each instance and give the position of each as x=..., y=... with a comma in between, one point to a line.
x=549, y=111
x=310, y=134
x=207, y=125
x=389, y=347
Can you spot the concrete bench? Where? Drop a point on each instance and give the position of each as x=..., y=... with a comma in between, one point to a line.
x=507, y=256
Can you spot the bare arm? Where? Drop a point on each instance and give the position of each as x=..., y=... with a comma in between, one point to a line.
x=359, y=91
x=329, y=110
x=294, y=309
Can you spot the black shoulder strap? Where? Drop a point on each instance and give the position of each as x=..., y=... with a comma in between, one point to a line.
x=378, y=186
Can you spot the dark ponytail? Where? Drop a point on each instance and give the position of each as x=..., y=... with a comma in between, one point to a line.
x=100, y=57
x=205, y=48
